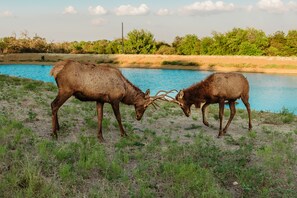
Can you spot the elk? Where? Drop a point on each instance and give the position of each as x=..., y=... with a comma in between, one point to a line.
x=99, y=83
x=216, y=88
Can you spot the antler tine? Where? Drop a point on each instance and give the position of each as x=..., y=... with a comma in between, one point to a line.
x=155, y=105
x=165, y=92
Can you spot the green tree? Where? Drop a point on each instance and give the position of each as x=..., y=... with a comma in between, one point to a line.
x=219, y=46
x=277, y=44
x=3, y=45
x=100, y=46
x=140, y=42
x=176, y=41
x=164, y=48
x=259, y=39
x=291, y=44
x=189, y=45
x=206, y=46
x=76, y=47
x=38, y=44
x=12, y=45
x=114, y=47
x=234, y=39
x=250, y=49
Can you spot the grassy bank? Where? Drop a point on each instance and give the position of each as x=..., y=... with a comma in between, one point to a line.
x=261, y=64
x=165, y=155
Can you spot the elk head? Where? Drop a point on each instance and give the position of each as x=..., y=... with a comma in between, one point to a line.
x=182, y=102
x=141, y=104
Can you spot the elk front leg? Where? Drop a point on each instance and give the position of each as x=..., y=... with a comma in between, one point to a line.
x=99, y=107
x=221, y=115
x=232, y=114
x=116, y=110
x=203, y=114
x=55, y=105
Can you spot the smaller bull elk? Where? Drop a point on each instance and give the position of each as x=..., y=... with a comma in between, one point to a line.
x=103, y=84
x=216, y=88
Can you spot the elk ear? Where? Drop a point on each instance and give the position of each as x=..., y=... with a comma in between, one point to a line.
x=181, y=94
x=147, y=93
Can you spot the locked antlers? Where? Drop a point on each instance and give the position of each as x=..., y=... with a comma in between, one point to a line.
x=162, y=95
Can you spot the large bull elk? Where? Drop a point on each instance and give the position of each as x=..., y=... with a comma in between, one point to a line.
x=216, y=88
x=102, y=84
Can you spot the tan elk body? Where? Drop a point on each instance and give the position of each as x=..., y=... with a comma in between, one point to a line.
x=103, y=84
x=216, y=88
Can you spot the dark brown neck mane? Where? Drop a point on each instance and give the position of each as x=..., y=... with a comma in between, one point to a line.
x=132, y=93
x=196, y=93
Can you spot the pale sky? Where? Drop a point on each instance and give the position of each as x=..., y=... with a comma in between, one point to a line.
x=89, y=20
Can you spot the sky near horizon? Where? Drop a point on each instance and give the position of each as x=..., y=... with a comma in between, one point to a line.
x=89, y=20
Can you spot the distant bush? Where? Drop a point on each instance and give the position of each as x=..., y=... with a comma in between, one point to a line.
x=179, y=62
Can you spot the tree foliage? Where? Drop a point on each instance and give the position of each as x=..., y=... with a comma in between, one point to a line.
x=140, y=42
x=188, y=45
x=238, y=41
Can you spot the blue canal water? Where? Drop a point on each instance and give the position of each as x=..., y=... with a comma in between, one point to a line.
x=267, y=92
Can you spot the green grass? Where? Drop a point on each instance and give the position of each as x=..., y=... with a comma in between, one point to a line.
x=274, y=66
x=179, y=62
x=152, y=161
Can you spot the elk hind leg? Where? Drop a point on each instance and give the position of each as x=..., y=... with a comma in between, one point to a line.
x=55, y=105
x=221, y=115
x=245, y=100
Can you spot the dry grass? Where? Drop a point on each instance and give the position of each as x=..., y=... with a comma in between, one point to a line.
x=287, y=65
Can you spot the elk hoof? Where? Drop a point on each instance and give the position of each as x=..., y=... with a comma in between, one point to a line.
x=124, y=135
x=206, y=123
x=221, y=133
x=250, y=127
x=54, y=135
x=101, y=139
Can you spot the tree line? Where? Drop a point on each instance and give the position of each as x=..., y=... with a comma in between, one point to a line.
x=238, y=41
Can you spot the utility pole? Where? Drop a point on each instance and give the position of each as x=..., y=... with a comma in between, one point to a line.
x=123, y=52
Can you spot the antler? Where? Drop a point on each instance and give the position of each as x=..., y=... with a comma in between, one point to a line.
x=165, y=96
x=160, y=96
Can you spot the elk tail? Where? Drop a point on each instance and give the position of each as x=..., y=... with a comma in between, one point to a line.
x=58, y=67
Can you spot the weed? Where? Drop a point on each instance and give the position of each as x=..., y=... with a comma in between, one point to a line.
x=91, y=122
x=31, y=115
x=195, y=118
x=193, y=126
x=286, y=116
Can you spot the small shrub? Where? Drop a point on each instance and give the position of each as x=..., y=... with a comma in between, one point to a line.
x=286, y=116
x=31, y=115
x=179, y=62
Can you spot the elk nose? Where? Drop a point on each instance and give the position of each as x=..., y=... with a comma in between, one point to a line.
x=138, y=117
x=188, y=113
